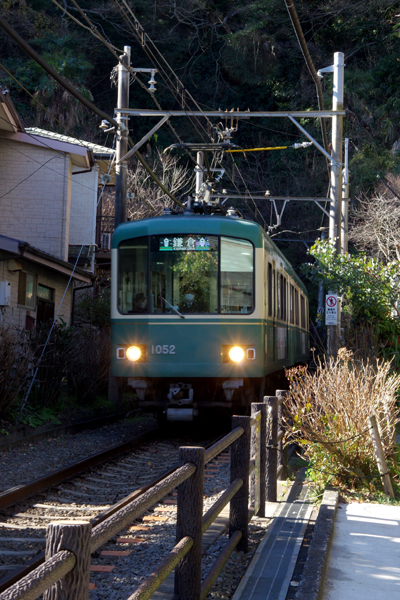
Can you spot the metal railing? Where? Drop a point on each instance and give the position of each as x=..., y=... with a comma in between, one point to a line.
x=254, y=470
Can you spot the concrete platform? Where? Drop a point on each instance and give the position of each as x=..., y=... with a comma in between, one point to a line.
x=364, y=560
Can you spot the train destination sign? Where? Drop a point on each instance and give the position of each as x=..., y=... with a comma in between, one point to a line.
x=184, y=242
x=331, y=309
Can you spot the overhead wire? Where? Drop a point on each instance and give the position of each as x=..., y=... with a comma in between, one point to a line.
x=143, y=38
x=95, y=32
x=59, y=152
x=80, y=142
x=74, y=92
x=93, y=29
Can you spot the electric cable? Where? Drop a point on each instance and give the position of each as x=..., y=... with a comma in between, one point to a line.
x=70, y=88
x=143, y=38
x=59, y=152
x=98, y=36
x=310, y=65
x=80, y=142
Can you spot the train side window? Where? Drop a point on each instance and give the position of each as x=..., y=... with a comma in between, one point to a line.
x=291, y=302
x=237, y=276
x=296, y=306
x=279, y=296
x=285, y=316
x=132, y=276
x=270, y=291
x=282, y=298
x=303, y=312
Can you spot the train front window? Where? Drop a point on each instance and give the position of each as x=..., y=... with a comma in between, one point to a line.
x=184, y=273
x=132, y=286
x=237, y=267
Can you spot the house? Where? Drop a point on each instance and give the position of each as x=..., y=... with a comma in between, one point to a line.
x=49, y=187
x=33, y=283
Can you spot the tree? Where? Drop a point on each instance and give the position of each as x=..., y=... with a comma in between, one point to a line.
x=146, y=198
x=376, y=223
x=371, y=291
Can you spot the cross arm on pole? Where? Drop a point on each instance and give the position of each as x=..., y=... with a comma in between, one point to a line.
x=144, y=139
x=316, y=144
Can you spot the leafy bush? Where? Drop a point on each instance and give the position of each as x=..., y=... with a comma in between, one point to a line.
x=16, y=359
x=87, y=372
x=370, y=290
x=52, y=356
x=327, y=413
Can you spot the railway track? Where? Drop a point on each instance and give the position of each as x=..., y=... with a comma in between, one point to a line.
x=92, y=489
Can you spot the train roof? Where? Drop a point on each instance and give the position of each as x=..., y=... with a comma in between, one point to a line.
x=205, y=224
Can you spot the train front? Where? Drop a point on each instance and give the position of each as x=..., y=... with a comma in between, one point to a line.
x=187, y=327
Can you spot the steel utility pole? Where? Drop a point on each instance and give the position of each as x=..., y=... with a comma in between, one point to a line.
x=114, y=383
x=335, y=210
x=122, y=138
x=199, y=172
x=335, y=213
x=345, y=200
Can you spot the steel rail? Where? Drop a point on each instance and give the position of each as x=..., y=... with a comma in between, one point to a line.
x=21, y=492
x=9, y=580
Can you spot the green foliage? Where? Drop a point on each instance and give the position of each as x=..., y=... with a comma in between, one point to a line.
x=35, y=417
x=371, y=290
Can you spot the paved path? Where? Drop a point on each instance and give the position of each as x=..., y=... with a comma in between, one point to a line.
x=364, y=561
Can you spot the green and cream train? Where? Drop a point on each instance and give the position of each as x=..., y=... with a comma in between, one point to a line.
x=205, y=314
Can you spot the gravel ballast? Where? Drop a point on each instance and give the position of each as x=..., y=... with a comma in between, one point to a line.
x=31, y=461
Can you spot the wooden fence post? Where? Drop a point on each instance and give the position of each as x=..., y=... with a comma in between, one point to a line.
x=380, y=457
x=282, y=452
x=255, y=452
x=272, y=435
x=74, y=537
x=259, y=406
x=240, y=467
x=189, y=523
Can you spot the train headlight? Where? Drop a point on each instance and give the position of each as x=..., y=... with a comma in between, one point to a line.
x=236, y=354
x=133, y=353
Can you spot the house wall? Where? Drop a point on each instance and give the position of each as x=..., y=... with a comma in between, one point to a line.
x=35, y=196
x=84, y=192
x=15, y=315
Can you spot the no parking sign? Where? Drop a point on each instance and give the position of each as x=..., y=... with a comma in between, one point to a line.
x=331, y=309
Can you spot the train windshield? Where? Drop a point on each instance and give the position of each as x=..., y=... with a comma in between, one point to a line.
x=184, y=273
x=189, y=273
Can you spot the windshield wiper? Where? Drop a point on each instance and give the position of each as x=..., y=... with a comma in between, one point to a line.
x=173, y=307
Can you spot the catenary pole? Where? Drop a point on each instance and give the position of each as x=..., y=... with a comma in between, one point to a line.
x=335, y=210
x=345, y=200
x=122, y=138
x=335, y=217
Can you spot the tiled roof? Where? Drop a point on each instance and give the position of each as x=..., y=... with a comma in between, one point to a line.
x=95, y=148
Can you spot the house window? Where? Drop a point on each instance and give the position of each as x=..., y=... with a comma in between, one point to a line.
x=45, y=304
x=27, y=290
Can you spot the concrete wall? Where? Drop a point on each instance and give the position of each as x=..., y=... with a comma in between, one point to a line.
x=15, y=315
x=35, y=196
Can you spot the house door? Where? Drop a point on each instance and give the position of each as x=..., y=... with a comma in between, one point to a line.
x=45, y=304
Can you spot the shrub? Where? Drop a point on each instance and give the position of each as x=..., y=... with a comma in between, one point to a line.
x=15, y=366
x=327, y=413
x=87, y=372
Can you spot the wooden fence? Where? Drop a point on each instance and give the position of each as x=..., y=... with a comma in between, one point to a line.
x=256, y=463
